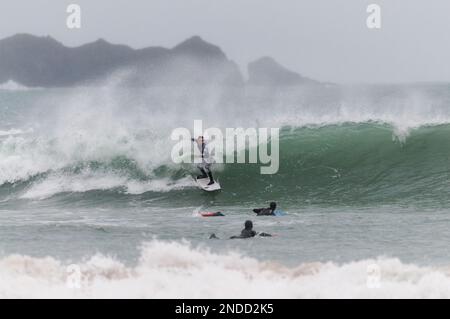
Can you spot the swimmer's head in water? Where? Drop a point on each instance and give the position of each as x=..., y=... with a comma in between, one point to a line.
x=248, y=224
x=273, y=205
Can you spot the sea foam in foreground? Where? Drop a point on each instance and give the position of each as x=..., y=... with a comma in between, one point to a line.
x=177, y=270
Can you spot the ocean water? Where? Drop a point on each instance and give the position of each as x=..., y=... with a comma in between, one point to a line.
x=86, y=179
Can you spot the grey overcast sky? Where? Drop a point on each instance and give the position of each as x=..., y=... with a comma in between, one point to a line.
x=323, y=39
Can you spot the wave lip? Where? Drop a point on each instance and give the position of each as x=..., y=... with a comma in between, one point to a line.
x=177, y=270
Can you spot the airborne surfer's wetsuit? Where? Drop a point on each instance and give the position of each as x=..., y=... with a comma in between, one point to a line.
x=269, y=211
x=205, y=165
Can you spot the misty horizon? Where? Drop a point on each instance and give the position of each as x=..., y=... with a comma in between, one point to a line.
x=322, y=40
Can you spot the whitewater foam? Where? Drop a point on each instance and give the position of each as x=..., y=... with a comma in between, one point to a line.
x=177, y=270
x=14, y=86
x=89, y=181
x=13, y=132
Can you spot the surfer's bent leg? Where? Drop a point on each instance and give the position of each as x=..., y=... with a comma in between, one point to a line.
x=202, y=170
x=208, y=171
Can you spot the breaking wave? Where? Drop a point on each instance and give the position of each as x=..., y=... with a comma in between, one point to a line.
x=346, y=145
x=178, y=270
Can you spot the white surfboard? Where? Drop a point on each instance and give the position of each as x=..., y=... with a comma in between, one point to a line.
x=203, y=184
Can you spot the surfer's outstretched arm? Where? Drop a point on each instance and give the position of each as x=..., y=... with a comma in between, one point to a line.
x=257, y=210
x=265, y=235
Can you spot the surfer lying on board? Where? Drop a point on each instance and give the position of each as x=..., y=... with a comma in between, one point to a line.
x=269, y=211
x=248, y=232
x=205, y=165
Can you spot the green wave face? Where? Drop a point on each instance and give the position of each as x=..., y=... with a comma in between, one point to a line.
x=352, y=164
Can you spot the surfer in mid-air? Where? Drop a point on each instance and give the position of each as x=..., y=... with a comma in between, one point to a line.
x=205, y=165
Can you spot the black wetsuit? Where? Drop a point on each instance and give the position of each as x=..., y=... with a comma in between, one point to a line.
x=245, y=233
x=264, y=211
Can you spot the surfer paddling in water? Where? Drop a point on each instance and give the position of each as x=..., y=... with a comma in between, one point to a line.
x=247, y=232
x=205, y=165
x=269, y=211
